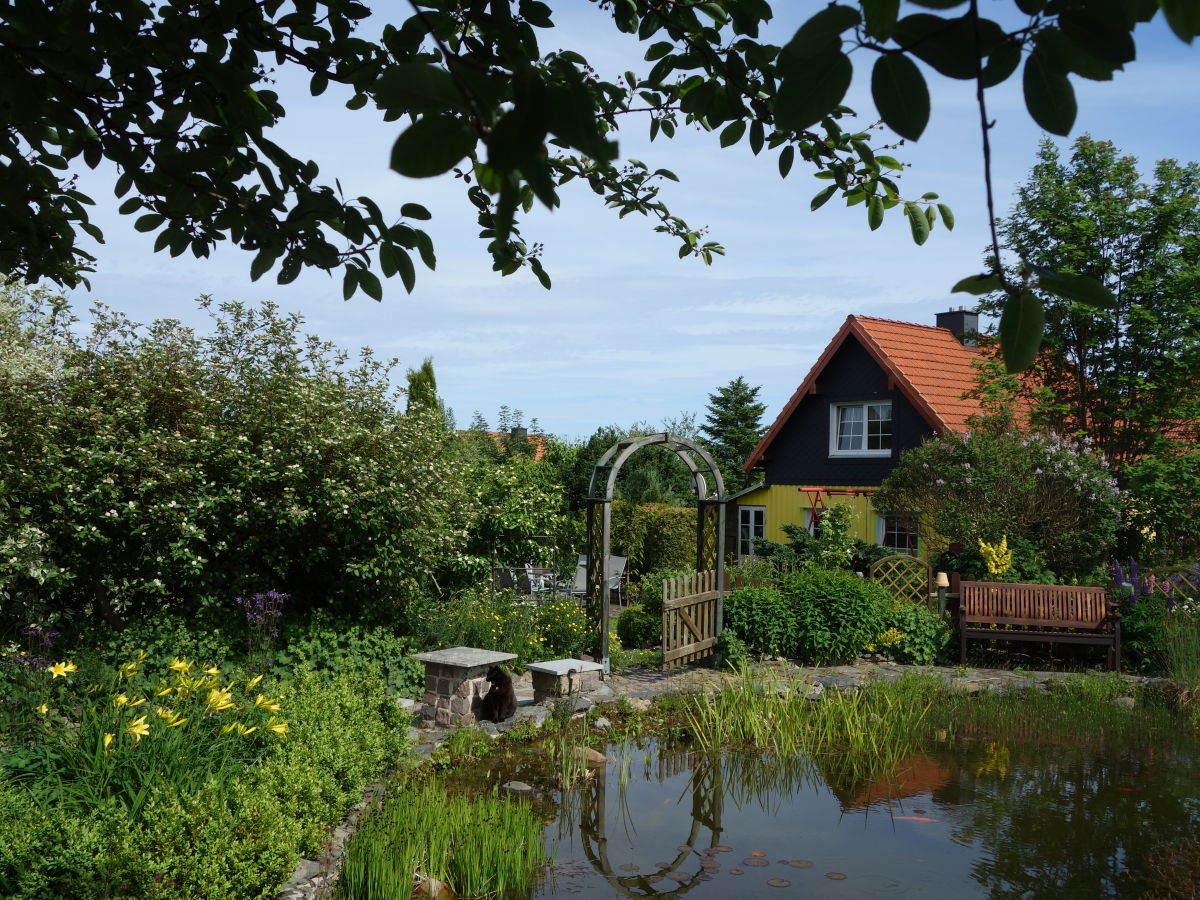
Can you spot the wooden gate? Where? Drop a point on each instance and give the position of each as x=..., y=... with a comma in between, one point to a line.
x=691, y=618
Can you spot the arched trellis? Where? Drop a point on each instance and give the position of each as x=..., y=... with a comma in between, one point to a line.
x=710, y=518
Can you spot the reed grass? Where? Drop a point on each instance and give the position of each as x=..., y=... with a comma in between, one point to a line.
x=482, y=847
x=873, y=728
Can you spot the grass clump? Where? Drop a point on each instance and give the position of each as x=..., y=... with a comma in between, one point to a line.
x=480, y=846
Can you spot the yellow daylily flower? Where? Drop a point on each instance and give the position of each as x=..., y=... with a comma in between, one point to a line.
x=42, y=710
x=264, y=703
x=280, y=728
x=180, y=665
x=177, y=721
x=129, y=669
x=253, y=682
x=138, y=728
x=108, y=739
x=212, y=670
x=93, y=688
x=219, y=700
x=122, y=699
x=162, y=692
x=62, y=670
x=137, y=702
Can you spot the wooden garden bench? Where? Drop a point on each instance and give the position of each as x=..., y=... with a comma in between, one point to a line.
x=1044, y=613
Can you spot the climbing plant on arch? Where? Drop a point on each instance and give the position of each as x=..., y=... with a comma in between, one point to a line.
x=710, y=519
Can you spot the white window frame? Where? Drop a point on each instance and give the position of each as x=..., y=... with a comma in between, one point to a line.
x=812, y=521
x=881, y=532
x=835, y=419
x=747, y=521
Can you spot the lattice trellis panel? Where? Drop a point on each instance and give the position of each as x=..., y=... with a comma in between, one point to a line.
x=906, y=578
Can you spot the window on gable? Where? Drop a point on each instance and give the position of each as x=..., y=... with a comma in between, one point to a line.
x=752, y=525
x=860, y=429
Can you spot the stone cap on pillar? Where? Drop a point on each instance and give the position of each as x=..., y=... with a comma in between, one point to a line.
x=465, y=657
x=564, y=666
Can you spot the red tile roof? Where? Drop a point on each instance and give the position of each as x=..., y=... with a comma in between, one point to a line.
x=925, y=363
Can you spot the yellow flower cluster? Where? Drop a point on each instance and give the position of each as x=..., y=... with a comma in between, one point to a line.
x=997, y=557
x=201, y=695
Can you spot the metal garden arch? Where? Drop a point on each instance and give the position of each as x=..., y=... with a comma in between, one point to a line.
x=710, y=518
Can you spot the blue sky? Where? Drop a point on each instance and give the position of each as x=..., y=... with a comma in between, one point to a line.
x=629, y=332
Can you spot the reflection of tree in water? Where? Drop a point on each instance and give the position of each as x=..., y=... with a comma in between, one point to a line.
x=1069, y=817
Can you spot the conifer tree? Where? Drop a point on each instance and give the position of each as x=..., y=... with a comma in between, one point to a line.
x=732, y=427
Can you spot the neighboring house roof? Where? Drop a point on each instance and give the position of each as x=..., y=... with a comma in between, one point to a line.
x=925, y=363
x=537, y=441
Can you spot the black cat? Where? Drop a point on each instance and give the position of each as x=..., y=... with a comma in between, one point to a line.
x=500, y=702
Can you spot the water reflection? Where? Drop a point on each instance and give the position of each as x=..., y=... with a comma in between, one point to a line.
x=975, y=818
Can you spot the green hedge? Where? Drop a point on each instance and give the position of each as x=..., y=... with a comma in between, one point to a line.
x=816, y=615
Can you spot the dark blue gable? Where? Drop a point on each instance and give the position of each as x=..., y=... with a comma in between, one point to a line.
x=800, y=452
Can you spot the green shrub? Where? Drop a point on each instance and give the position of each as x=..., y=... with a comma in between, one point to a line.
x=656, y=537
x=325, y=644
x=732, y=650
x=1142, y=632
x=763, y=619
x=563, y=629
x=213, y=635
x=235, y=837
x=638, y=628
x=927, y=636
x=837, y=614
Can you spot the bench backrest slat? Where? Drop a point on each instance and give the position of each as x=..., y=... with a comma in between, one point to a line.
x=1059, y=605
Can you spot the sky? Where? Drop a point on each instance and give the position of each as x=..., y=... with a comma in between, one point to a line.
x=629, y=332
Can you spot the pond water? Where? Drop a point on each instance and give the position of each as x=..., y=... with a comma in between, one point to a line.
x=973, y=818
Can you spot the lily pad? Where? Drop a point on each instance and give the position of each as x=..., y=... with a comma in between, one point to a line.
x=835, y=876
x=779, y=882
x=755, y=861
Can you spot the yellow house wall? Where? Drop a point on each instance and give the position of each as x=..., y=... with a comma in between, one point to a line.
x=786, y=505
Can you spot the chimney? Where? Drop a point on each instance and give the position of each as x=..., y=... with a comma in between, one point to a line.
x=519, y=433
x=962, y=323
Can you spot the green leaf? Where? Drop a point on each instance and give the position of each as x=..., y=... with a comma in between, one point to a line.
x=148, y=222
x=418, y=88
x=1080, y=288
x=404, y=267
x=540, y=273
x=1021, y=323
x=1049, y=96
x=349, y=282
x=880, y=17
x=786, y=156
x=262, y=262
x=415, y=211
x=918, y=222
x=874, y=212
x=813, y=91
x=947, y=216
x=819, y=36
x=1001, y=63
x=732, y=133
x=822, y=197
x=369, y=282
x=900, y=94
x=431, y=146
x=1183, y=16
x=983, y=283
x=756, y=137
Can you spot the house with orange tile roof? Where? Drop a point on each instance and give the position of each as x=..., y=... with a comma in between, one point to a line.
x=879, y=388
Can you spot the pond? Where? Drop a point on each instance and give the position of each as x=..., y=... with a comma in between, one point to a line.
x=965, y=818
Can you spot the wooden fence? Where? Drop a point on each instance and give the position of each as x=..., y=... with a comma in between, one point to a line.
x=689, y=618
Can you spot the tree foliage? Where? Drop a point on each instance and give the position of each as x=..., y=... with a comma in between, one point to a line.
x=732, y=427
x=180, y=97
x=992, y=483
x=152, y=468
x=1125, y=374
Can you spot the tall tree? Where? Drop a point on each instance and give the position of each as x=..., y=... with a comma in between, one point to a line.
x=180, y=96
x=1127, y=375
x=732, y=427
